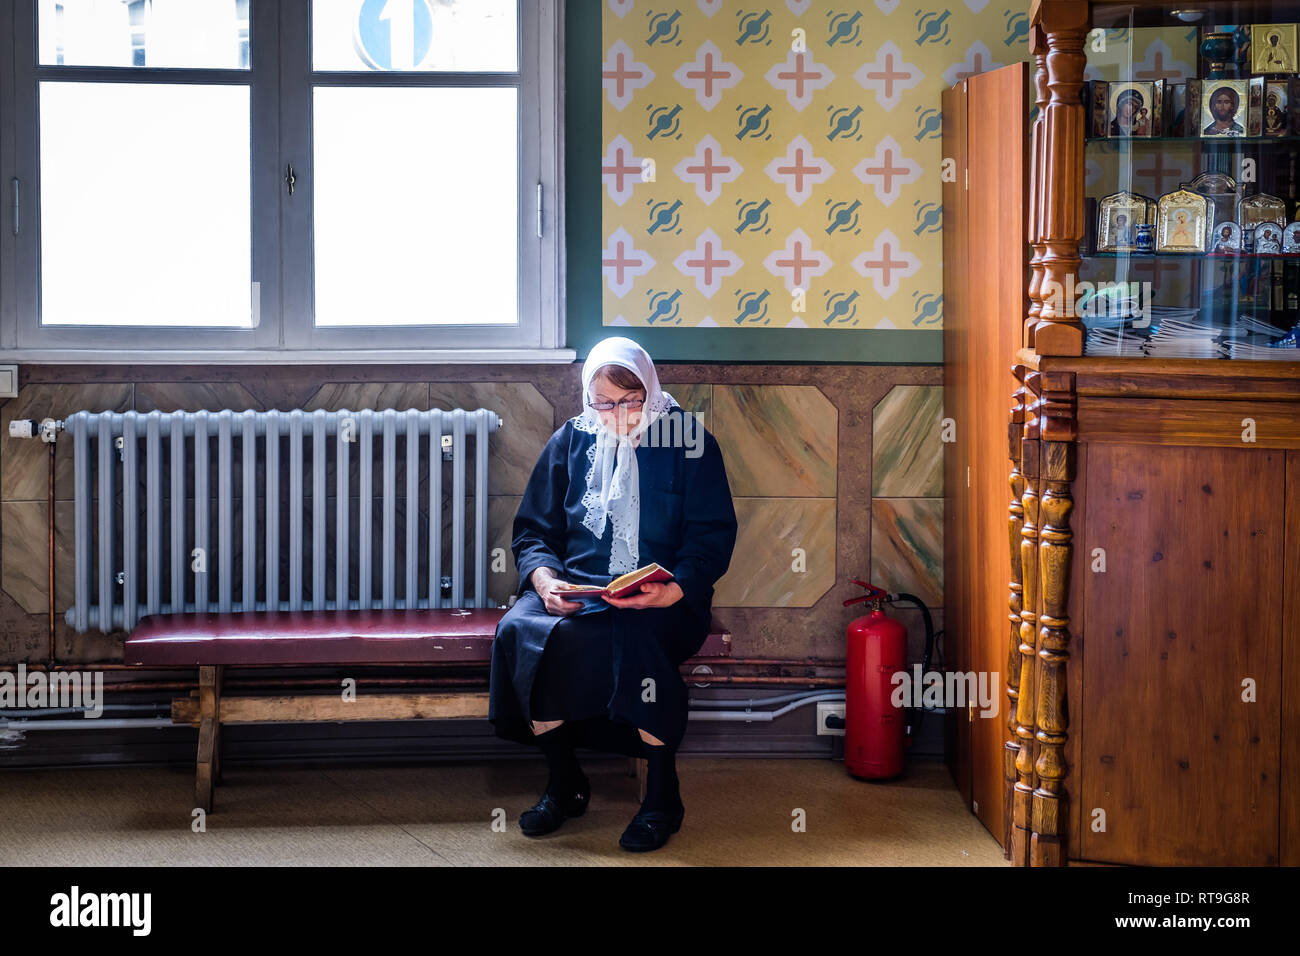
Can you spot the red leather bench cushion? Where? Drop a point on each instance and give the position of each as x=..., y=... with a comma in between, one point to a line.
x=315, y=637
x=329, y=637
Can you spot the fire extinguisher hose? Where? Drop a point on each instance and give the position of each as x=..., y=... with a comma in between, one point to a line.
x=916, y=713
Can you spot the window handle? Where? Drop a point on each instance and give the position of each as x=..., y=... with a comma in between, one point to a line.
x=289, y=178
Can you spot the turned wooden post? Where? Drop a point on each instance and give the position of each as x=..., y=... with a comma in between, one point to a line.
x=1058, y=433
x=1015, y=527
x=1022, y=795
x=1063, y=25
x=1038, y=46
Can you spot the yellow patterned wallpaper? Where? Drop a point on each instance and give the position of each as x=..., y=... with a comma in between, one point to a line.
x=778, y=164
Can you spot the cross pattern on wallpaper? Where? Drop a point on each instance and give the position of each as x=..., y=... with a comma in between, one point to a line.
x=779, y=165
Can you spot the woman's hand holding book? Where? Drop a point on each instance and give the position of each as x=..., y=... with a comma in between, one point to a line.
x=652, y=595
x=548, y=586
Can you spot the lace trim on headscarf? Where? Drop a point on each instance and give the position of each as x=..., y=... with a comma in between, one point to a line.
x=624, y=487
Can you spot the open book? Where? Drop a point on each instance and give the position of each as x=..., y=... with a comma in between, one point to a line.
x=621, y=586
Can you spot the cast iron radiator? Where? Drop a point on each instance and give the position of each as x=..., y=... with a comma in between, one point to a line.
x=233, y=511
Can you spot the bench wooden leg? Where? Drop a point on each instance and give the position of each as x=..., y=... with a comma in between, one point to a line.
x=641, y=765
x=216, y=753
x=209, y=757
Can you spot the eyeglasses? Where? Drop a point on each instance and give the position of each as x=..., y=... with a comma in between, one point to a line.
x=629, y=403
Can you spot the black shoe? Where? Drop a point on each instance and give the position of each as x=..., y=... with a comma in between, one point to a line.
x=650, y=829
x=550, y=812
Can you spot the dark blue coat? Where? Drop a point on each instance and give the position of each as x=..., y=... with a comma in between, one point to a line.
x=687, y=524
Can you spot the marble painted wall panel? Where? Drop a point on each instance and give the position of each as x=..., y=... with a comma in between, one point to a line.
x=784, y=469
x=784, y=556
x=694, y=398
x=24, y=469
x=193, y=397
x=907, y=547
x=778, y=440
x=906, y=448
x=25, y=528
x=378, y=395
x=527, y=423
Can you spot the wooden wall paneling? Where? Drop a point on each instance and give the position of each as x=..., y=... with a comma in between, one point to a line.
x=1289, y=781
x=1201, y=422
x=1189, y=606
x=957, y=398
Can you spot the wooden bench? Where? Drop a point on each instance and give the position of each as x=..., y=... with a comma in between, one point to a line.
x=213, y=642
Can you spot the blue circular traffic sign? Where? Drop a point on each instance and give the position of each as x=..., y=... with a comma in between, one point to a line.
x=394, y=34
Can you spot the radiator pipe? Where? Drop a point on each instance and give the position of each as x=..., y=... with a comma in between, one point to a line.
x=53, y=656
x=761, y=716
x=100, y=723
x=270, y=682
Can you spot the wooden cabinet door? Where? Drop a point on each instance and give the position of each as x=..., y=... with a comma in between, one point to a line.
x=997, y=215
x=1290, y=778
x=957, y=401
x=1185, y=619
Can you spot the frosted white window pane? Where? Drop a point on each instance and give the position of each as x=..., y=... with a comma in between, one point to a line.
x=211, y=34
x=426, y=35
x=145, y=204
x=417, y=209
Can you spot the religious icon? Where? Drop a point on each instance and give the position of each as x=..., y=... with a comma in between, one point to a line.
x=1227, y=238
x=1276, y=104
x=1272, y=48
x=1221, y=190
x=1176, y=109
x=1258, y=208
x=1223, y=108
x=1291, y=238
x=1098, y=98
x=1268, y=238
x=1131, y=107
x=1255, y=111
x=1182, y=222
x=1118, y=217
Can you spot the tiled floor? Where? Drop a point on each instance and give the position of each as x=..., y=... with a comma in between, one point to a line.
x=738, y=812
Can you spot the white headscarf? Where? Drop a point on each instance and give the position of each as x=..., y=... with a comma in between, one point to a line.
x=613, y=482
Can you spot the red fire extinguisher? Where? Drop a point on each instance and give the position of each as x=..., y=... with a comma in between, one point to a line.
x=873, y=727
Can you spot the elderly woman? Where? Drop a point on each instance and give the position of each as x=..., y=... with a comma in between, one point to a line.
x=630, y=481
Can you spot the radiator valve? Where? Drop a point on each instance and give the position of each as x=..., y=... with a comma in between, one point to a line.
x=46, y=430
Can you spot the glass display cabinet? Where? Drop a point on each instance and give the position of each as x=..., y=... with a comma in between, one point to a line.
x=1153, y=655
x=1191, y=245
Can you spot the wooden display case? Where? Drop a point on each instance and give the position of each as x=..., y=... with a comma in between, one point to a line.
x=1153, y=646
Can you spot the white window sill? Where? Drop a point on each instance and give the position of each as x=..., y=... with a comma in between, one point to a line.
x=289, y=356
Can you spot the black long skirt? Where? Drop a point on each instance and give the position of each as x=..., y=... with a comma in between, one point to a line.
x=575, y=680
x=568, y=668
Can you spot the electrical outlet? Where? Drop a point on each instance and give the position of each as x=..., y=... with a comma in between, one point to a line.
x=824, y=709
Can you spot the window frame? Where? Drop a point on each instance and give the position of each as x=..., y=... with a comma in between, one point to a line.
x=281, y=84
